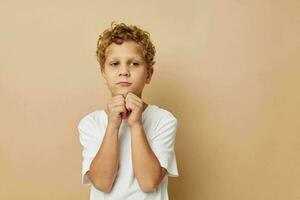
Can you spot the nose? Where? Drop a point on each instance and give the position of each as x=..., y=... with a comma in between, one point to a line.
x=123, y=70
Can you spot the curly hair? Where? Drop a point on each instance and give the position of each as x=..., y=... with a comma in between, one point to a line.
x=118, y=33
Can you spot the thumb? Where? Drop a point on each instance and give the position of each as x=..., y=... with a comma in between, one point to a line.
x=123, y=114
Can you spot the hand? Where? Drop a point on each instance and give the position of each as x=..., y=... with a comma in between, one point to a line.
x=134, y=106
x=116, y=110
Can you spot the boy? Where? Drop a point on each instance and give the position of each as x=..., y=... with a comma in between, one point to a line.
x=128, y=148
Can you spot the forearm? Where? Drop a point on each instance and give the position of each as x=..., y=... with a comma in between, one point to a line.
x=104, y=167
x=146, y=166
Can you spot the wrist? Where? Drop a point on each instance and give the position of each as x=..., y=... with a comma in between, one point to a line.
x=136, y=125
x=112, y=126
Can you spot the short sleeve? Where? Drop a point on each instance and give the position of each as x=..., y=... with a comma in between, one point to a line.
x=163, y=143
x=88, y=138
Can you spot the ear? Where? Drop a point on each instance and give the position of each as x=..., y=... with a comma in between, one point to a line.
x=150, y=72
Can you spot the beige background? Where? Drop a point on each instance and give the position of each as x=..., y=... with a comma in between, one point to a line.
x=228, y=70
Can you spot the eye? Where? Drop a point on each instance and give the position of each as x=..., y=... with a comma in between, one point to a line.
x=114, y=64
x=136, y=64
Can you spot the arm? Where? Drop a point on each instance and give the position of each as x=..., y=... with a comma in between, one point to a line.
x=104, y=166
x=147, y=168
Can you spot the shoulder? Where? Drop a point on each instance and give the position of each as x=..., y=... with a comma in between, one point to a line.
x=91, y=119
x=162, y=112
x=162, y=115
x=163, y=126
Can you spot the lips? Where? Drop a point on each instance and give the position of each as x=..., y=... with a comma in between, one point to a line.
x=124, y=83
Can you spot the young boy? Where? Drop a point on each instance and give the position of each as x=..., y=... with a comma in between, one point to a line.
x=128, y=148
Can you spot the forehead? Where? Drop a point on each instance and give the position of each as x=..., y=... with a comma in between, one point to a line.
x=125, y=50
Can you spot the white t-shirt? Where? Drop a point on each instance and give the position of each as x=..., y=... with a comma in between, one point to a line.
x=160, y=127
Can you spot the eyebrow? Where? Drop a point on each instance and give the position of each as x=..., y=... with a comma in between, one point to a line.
x=130, y=58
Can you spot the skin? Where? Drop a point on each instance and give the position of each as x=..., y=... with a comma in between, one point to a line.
x=125, y=62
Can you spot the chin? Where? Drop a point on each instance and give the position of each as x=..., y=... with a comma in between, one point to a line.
x=124, y=92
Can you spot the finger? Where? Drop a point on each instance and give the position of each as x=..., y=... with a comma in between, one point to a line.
x=123, y=112
x=133, y=105
x=133, y=96
x=121, y=109
x=118, y=102
x=137, y=102
x=118, y=97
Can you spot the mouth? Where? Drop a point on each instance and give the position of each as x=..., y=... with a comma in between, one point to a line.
x=124, y=83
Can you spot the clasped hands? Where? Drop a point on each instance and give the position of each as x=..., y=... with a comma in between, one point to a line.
x=127, y=107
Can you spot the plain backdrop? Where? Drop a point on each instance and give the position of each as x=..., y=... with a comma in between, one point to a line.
x=228, y=70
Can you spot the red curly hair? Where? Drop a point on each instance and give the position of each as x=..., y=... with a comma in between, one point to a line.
x=118, y=33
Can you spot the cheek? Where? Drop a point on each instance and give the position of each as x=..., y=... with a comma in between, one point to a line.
x=140, y=76
x=109, y=81
x=139, y=79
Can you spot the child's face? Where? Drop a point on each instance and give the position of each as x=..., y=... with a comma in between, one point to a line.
x=126, y=63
